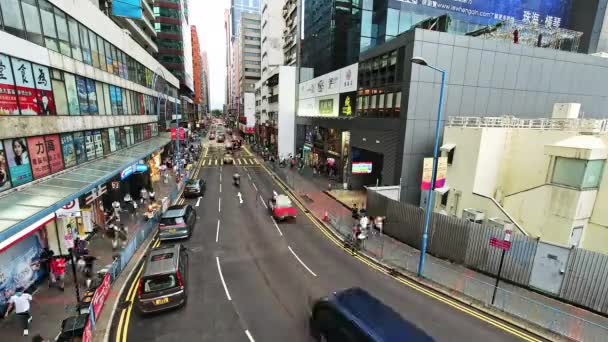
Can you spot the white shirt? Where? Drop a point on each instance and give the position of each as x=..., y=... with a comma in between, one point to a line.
x=22, y=302
x=364, y=221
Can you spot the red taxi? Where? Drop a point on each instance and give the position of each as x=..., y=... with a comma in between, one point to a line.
x=281, y=207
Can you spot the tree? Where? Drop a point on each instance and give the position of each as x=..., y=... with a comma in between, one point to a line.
x=216, y=112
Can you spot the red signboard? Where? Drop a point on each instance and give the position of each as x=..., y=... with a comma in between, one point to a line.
x=182, y=134
x=38, y=157
x=87, y=335
x=502, y=244
x=53, y=151
x=99, y=298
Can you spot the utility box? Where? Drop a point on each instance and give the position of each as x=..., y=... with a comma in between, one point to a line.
x=473, y=215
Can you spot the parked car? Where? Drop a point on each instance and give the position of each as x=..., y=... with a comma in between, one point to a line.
x=220, y=138
x=177, y=222
x=211, y=136
x=195, y=188
x=281, y=207
x=228, y=158
x=164, y=282
x=355, y=315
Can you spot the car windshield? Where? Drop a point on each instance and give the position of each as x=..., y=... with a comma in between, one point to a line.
x=192, y=184
x=171, y=221
x=159, y=283
x=283, y=202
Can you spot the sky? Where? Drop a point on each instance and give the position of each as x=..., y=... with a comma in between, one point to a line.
x=208, y=17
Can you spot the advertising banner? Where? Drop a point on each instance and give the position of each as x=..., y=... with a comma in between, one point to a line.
x=359, y=168
x=327, y=105
x=8, y=94
x=127, y=8
x=348, y=78
x=20, y=264
x=38, y=157
x=249, y=110
x=347, y=103
x=72, y=93
x=83, y=100
x=18, y=161
x=182, y=133
x=26, y=92
x=100, y=295
x=81, y=155
x=53, y=151
x=5, y=182
x=427, y=173
x=105, y=140
x=306, y=107
x=71, y=209
x=69, y=153
x=112, y=138
x=90, y=145
x=98, y=144
x=44, y=91
x=93, y=109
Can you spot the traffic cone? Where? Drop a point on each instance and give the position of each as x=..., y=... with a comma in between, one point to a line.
x=326, y=216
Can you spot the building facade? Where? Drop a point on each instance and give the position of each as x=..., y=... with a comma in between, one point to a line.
x=543, y=175
x=237, y=8
x=205, y=100
x=291, y=35
x=174, y=41
x=272, y=26
x=81, y=102
x=196, y=66
x=249, y=55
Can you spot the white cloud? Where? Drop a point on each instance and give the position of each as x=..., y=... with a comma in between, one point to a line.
x=208, y=17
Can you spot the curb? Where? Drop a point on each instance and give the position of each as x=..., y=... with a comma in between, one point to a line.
x=438, y=288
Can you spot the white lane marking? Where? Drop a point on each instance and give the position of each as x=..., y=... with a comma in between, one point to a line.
x=256, y=188
x=264, y=203
x=249, y=175
x=220, y=187
x=219, y=205
x=249, y=336
x=276, y=225
x=219, y=269
x=198, y=201
x=220, y=178
x=300, y=260
x=217, y=231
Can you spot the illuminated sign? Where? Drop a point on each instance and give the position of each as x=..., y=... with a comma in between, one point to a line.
x=131, y=169
x=361, y=168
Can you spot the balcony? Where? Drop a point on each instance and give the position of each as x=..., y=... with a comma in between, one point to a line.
x=273, y=99
x=137, y=33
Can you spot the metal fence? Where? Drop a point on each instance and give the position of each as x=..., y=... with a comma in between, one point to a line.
x=586, y=280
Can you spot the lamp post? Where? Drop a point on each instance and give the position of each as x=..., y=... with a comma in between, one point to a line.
x=429, y=203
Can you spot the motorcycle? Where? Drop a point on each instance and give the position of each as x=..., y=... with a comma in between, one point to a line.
x=237, y=180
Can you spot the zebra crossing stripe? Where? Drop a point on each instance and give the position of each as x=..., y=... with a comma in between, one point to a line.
x=245, y=161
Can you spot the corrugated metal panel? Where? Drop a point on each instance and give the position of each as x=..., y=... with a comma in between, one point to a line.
x=376, y=204
x=586, y=280
x=448, y=237
x=404, y=223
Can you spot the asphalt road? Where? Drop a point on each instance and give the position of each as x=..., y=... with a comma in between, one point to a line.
x=271, y=273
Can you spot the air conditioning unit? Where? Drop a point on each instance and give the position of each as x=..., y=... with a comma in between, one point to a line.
x=500, y=223
x=473, y=215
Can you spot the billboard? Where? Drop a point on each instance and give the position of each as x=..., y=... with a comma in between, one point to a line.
x=359, y=168
x=547, y=13
x=348, y=103
x=5, y=182
x=18, y=161
x=339, y=81
x=127, y=8
x=427, y=173
x=38, y=157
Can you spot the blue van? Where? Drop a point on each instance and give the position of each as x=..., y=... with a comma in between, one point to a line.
x=353, y=315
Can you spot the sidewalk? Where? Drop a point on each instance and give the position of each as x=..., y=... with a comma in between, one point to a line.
x=50, y=306
x=517, y=303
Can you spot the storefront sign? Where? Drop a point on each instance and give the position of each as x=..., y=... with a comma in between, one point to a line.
x=348, y=78
x=131, y=169
x=96, y=192
x=306, y=107
x=44, y=91
x=8, y=94
x=347, y=103
x=182, y=133
x=100, y=295
x=361, y=168
x=71, y=209
x=115, y=185
x=38, y=157
x=427, y=173
x=339, y=81
x=26, y=91
x=18, y=161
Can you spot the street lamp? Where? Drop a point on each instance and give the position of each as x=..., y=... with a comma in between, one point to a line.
x=427, y=216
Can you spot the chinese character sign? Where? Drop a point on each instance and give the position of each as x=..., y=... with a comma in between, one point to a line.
x=38, y=157
x=8, y=94
x=26, y=90
x=18, y=161
x=44, y=91
x=53, y=151
x=5, y=182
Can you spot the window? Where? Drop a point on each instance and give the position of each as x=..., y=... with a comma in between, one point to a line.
x=11, y=16
x=577, y=173
x=102, y=54
x=381, y=101
x=62, y=33
x=251, y=46
x=159, y=283
x=109, y=64
x=94, y=49
x=72, y=93
x=48, y=25
x=32, y=21
x=101, y=102
x=61, y=99
x=84, y=44
x=392, y=22
x=389, y=100
x=93, y=107
x=83, y=100
x=74, y=39
x=106, y=96
x=397, y=102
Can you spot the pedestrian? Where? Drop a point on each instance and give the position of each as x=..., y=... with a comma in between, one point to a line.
x=379, y=223
x=143, y=193
x=364, y=221
x=20, y=301
x=152, y=195
x=57, y=275
x=116, y=207
x=355, y=211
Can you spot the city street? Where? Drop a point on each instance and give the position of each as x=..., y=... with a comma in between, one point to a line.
x=253, y=279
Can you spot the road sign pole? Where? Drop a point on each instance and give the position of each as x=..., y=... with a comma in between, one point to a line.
x=502, y=258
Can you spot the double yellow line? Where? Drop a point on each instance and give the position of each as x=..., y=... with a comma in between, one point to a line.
x=125, y=314
x=446, y=300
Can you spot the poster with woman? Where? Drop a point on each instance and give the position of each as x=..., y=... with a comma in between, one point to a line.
x=8, y=94
x=38, y=157
x=53, y=151
x=18, y=161
x=44, y=90
x=26, y=91
x=69, y=152
x=81, y=156
x=5, y=182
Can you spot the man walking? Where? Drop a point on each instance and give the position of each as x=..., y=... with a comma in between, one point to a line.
x=21, y=302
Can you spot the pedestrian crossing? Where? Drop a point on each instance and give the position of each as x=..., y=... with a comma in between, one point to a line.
x=244, y=161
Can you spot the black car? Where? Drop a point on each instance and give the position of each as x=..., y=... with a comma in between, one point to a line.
x=195, y=188
x=355, y=315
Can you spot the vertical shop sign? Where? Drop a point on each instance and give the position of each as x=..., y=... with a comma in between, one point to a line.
x=38, y=157
x=69, y=153
x=8, y=95
x=81, y=156
x=18, y=161
x=53, y=151
x=98, y=144
x=44, y=91
x=90, y=145
x=26, y=91
x=112, y=138
x=83, y=100
x=5, y=182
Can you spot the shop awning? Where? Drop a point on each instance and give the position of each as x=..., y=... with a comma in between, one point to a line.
x=36, y=202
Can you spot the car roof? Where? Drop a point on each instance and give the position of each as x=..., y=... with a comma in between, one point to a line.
x=162, y=266
x=378, y=320
x=175, y=211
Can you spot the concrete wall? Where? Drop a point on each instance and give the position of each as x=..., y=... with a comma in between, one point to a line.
x=492, y=151
x=287, y=113
x=272, y=35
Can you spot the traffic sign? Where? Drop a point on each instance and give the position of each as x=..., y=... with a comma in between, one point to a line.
x=502, y=244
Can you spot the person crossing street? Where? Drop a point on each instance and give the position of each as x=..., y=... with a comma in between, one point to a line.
x=20, y=301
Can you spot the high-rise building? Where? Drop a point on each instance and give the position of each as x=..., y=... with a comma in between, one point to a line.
x=174, y=42
x=290, y=31
x=205, y=100
x=228, y=89
x=249, y=53
x=237, y=7
x=196, y=65
x=82, y=102
x=272, y=35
